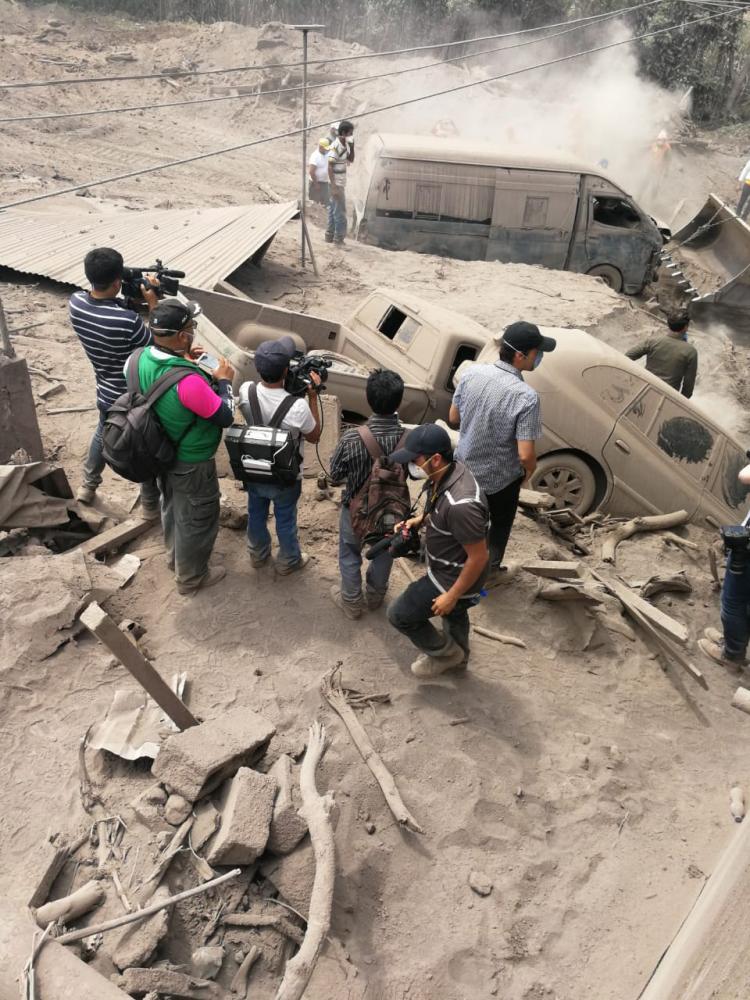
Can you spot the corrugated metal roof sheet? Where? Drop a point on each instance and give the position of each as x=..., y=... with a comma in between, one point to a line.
x=206, y=243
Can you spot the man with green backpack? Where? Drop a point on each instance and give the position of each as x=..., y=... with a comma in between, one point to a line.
x=192, y=413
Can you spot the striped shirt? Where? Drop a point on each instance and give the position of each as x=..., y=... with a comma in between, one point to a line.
x=456, y=515
x=497, y=411
x=352, y=462
x=109, y=333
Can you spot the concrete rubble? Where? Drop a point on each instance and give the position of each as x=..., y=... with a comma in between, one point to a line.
x=287, y=826
x=246, y=810
x=188, y=761
x=293, y=876
x=139, y=941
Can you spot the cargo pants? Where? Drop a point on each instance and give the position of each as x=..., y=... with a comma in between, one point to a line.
x=190, y=519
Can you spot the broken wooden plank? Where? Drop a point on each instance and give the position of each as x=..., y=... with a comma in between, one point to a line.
x=115, y=538
x=535, y=499
x=631, y=601
x=568, y=592
x=98, y=621
x=553, y=569
x=72, y=409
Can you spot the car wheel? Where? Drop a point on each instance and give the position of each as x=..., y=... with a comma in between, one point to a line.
x=610, y=275
x=568, y=479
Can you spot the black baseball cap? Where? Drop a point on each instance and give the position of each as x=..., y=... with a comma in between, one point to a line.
x=171, y=316
x=429, y=439
x=525, y=337
x=272, y=357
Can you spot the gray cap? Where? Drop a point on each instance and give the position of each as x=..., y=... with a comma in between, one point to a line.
x=272, y=357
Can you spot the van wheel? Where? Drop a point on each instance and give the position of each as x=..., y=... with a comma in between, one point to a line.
x=610, y=275
x=568, y=479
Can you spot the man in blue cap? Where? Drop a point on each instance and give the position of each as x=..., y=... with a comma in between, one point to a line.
x=272, y=359
x=456, y=519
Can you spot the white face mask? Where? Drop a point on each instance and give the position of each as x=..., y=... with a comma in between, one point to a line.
x=416, y=471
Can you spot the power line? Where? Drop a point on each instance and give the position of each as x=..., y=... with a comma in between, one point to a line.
x=391, y=107
x=20, y=85
x=56, y=116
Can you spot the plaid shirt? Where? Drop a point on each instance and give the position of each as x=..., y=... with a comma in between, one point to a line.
x=497, y=411
x=351, y=462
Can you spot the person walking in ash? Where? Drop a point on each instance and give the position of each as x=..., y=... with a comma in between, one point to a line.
x=317, y=168
x=729, y=646
x=193, y=413
x=340, y=155
x=302, y=418
x=499, y=417
x=109, y=331
x=455, y=519
x=743, y=186
x=671, y=358
x=352, y=463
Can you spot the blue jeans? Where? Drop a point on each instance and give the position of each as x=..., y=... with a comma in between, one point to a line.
x=410, y=613
x=336, y=228
x=284, y=498
x=350, y=564
x=94, y=466
x=735, y=612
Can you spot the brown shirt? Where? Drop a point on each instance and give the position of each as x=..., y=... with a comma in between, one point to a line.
x=457, y=516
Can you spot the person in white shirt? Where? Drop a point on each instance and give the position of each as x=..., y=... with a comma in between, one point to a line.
x=317, y=168
x=743, y=182
x=340, y=155
x=272, y=359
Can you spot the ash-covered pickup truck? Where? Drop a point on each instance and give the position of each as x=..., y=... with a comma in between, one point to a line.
x=424, y=343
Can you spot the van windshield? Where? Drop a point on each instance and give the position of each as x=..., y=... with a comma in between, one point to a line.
x=615, y=212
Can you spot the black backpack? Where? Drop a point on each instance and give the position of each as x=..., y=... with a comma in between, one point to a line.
x=134, y=443
x=263, y=452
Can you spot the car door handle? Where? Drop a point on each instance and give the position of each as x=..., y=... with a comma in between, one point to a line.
x=622, y=446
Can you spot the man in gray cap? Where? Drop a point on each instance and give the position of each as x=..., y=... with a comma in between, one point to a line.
x=302, y=419
x=455, y=549
x=500, y=419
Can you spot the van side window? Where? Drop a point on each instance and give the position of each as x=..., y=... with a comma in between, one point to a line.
x=535, y=213
x=427, y=201
x=464, y=353
x=612, y=387
x=615, y=212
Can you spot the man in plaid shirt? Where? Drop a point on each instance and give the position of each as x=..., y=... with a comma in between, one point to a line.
x=351, y=463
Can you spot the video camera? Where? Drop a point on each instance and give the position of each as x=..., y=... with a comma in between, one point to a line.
x=736, y=538
x=400, y=543
x=134, y=280
x=298, y=379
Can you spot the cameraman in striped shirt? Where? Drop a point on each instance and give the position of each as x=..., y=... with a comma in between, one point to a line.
x=109, y=332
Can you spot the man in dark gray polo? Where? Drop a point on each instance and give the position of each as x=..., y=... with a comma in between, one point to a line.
x=500, y=419
x=456, y=518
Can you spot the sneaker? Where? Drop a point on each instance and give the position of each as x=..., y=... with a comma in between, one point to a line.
x=258, y=562
x=339, y=241
x=86, y=494
x=499, y=576
x=352, y=609
x=715, y=651
x=151, y=513
x=329, y=237
x=284, y=569
x=214, y=575
x=432, y=666
x=714, y=635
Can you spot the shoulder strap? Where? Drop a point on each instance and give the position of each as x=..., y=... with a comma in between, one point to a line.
x=281, y=411
x=370, y=442
x=164, y=383
x=250, y=405
x=133, y=376
x=399, y=443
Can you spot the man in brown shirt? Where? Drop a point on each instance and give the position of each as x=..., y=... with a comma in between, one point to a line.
x=457, y=519
x=670, y=358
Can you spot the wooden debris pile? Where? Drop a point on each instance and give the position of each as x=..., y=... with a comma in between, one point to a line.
x=201, y=881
